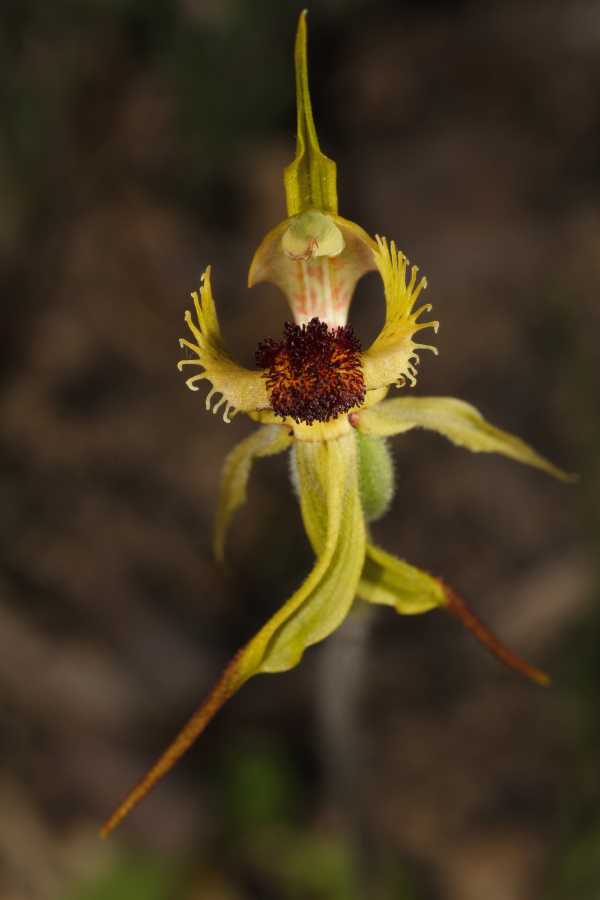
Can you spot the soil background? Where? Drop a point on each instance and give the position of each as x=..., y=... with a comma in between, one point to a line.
x=140, y=142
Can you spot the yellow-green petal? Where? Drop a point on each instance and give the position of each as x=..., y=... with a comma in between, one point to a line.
x=329, y=493
x=265, y=441
x=390, y=581
x=458, y=421
x=240, y=388
x=393, y=357
x=310, y=180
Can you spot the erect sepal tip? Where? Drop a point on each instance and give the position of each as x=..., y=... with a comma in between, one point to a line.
x=310, y=180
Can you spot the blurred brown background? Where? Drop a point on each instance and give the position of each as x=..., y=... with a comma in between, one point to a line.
x=140, y=141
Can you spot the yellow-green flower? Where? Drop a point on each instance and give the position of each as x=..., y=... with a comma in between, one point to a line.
x=318, y=394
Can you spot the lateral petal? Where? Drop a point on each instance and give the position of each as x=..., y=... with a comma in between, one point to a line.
x=458, y=421
x=240, y=388
x=394, y=355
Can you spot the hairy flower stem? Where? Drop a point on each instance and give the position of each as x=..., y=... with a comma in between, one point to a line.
x=343, y=750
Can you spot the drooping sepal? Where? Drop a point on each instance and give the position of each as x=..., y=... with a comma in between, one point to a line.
x=310, y=180
x=458, y=421
x=267, y=440
x=228, y=684
x=390, y=581
x=331, y=509
x=394, y=355
x=457, y=608
x=240, y=388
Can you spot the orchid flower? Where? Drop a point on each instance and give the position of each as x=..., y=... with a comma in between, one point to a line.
x=317, y=394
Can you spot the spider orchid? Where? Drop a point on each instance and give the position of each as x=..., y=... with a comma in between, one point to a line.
x=318, y=394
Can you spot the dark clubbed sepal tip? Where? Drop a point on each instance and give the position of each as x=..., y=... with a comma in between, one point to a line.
x=459, y=609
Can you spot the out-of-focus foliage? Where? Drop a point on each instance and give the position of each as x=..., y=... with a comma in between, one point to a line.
x=136, y=876
x=265, y=839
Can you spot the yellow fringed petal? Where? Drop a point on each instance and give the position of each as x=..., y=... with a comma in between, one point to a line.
x=394, y=355
x=458, y=421
x=265, y=441
x=240, y=388
x=327, y=479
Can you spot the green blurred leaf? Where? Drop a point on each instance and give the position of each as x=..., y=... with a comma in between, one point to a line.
x=260, y=787
x=135, y=877
x=576, y=876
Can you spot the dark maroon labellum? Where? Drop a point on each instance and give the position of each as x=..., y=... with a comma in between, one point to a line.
x=314, y=374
